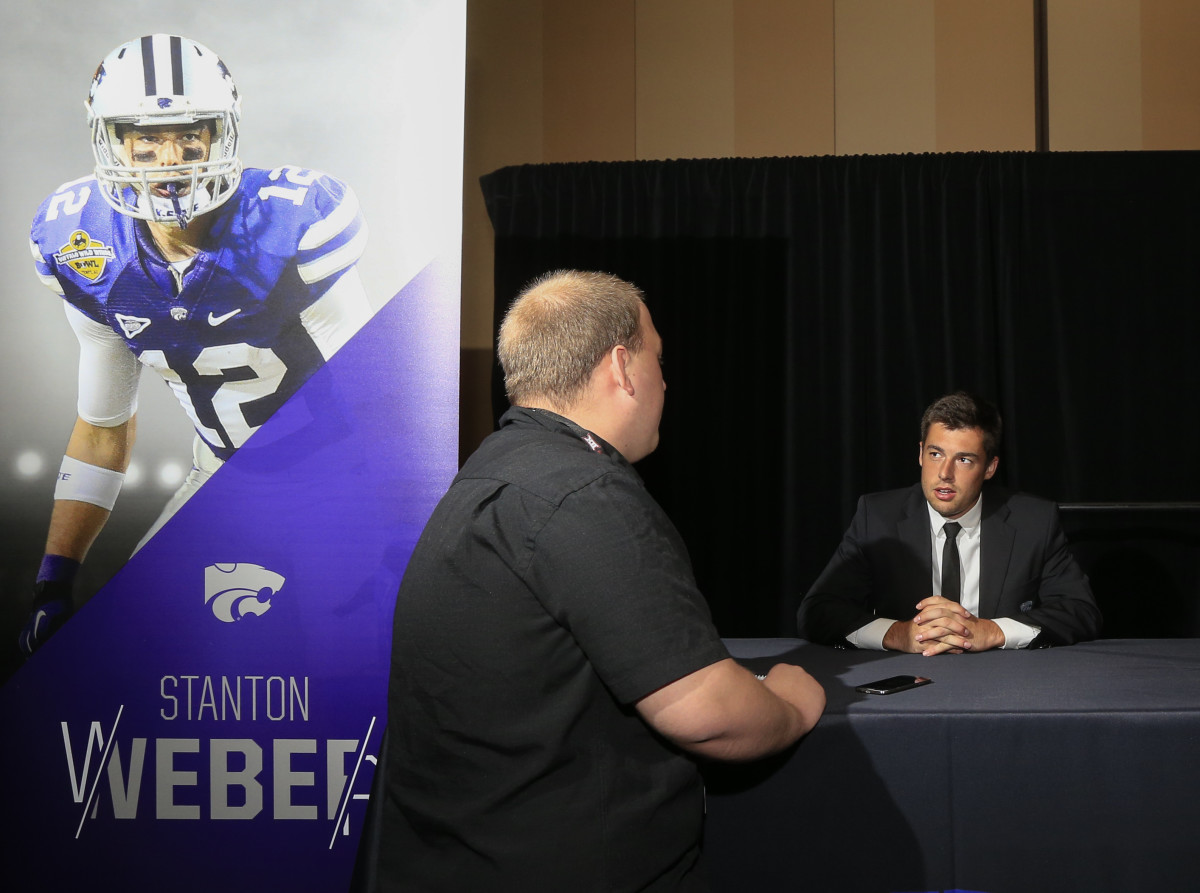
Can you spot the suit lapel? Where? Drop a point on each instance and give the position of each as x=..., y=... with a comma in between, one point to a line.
x=913, y=530
x=996, y=549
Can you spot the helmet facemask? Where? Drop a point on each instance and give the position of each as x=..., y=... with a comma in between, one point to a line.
x=201, y=185
x=169, y=81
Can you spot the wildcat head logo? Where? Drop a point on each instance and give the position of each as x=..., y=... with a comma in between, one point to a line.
x=234, y=590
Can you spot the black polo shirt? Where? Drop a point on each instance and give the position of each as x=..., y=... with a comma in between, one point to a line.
x=548, y=593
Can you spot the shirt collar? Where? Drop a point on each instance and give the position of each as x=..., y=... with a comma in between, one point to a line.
x=523, y=415
x=969, y=521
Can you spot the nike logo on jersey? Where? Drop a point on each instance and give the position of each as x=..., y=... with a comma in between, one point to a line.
x=224, y=317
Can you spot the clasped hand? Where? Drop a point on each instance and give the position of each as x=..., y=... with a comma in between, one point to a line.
x=943, y=626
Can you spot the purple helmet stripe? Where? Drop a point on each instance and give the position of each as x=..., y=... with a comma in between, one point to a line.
x=148, y=65
x=177, y=65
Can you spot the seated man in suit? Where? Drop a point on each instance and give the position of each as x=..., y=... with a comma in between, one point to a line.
x=944, y=566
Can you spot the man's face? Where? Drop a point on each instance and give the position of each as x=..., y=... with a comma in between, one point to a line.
x=953, y=469
x=162, y=145
x=645, y=371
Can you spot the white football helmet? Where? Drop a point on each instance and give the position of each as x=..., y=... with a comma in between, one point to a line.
x=164, y=79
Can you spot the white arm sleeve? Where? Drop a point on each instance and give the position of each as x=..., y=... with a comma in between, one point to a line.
x=108, y=372
x=1017, y=634
x=870, y=637
x=335, y=316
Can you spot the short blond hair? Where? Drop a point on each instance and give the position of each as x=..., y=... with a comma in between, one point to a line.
x=559, y=328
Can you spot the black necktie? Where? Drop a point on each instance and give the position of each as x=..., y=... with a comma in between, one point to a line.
x=951, y=571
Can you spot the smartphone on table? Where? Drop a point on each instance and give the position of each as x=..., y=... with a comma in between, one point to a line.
x=893, y=684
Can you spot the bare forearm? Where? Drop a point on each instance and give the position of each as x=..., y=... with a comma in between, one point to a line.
x=74, y=526
x=105, y=447
x=775, y=715
x=723, y=712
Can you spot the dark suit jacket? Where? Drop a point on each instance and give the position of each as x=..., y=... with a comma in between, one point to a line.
x=883, y=568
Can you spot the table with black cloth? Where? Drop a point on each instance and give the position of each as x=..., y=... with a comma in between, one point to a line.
x=1063, y=769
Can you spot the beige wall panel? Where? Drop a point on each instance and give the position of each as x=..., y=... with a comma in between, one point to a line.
x=590, y=87
x=984, y=73
x=885, y=76
x=1170, y=74
x=684, y=79
x=503, y=126
x=783, y=77
x=1095, y=74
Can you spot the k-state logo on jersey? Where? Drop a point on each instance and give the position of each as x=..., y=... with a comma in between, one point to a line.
x=235, y=590
x=85, y=256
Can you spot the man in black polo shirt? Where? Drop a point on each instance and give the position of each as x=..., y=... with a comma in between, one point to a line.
x=554, y=666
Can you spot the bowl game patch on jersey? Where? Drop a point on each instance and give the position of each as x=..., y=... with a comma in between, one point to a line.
x=84, y=255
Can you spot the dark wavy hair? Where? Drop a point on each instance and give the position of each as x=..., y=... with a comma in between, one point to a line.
x=965, y=410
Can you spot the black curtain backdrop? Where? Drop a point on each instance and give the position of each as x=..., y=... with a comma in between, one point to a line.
x=812, y=307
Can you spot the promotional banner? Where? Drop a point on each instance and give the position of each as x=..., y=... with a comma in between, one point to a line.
x=210, y=718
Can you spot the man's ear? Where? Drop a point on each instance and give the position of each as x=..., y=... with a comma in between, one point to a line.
x=618, y=358
x=991, y=469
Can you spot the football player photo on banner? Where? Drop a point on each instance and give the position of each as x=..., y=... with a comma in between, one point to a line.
x=231, y=400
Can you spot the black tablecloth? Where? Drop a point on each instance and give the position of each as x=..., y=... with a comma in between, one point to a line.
x=1065, y=769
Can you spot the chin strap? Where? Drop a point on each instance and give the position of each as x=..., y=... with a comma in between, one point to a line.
x=180, y=217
